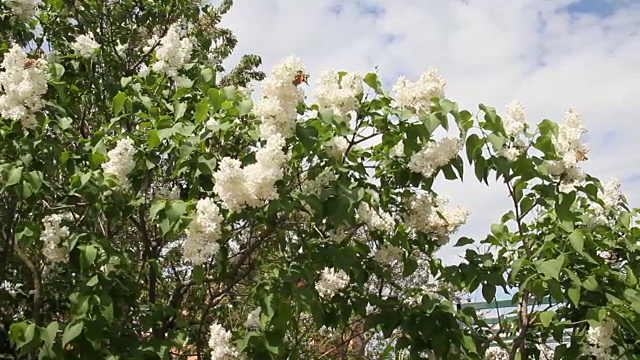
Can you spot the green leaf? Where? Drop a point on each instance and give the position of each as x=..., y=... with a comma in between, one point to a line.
x=14, y=176
x=576, y=239
x=118, y=102
x=590, y=283
x=545, y=318
x=245, y=107
x=90, y=253
x=207, y=75
x=488, y=292
x=574, y=295
x=551, y=268
x=198, y=274
x=71, y=332
x=179, y=108
x=464, y=241
x=371, y=79
x=49, y=333
x=29, y=332
x=308, y=135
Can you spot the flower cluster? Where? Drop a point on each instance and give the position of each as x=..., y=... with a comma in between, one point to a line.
x=514, y=126
x=600, y=341
x=338, y=93
x=23, y=83
x=435, y=155
x=53, y=235
x=24, y=9
x=331, y=282
x=611, y=196
x=220, y=343
x=314, y=186
x=571, y=150
x=337, y=147
x=253, y=319
x=380, y=220
x=203, y=232
x=172, y=52
x=277, y=109
x=253, y=185
x=388, y=254
x=514, y=122
x=496, y=353
x=418, y=95
x=166, y=193
x=85, y=46
x=429, y=214
x=121, y=161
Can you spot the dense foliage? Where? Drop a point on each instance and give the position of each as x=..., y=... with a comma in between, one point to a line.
x=151, y=209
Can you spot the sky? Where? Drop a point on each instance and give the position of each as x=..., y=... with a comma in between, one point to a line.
x=549, y=54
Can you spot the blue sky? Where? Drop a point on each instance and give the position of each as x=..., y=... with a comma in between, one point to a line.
x=550, y=54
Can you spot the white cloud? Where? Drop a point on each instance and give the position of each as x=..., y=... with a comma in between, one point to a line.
x=490, y=51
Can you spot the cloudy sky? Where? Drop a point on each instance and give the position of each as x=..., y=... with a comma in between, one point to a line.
x=550, y=54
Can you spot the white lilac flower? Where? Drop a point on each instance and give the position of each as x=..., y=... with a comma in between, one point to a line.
x=341, y=95
x=435, y=155
x=277, y=109
x=397, y=150
x=85, y=46
x=600, y=341
x=331, y=282
x=253, y=185
x=337, y=147
x=172, y=53
x=514, y=122
x=203, y=232
x=121, y=161
x=317, y=184
x=496, y=353
x=510, y=153
x=253, y=319
x=166, y=193
x=220, y=344
x=571, y=150
x=22, y=86
x=375, y=220
x=418, y=94
x=53, y=235
x=429, y=214
x=24, y=9
x=611, y=197
x=388, y=254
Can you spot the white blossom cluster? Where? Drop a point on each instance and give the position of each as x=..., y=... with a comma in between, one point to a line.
x=121, y=161
x=24, y=9
x=85, y=46
x=600, y=341
x=253, y=319
x=22, y=87
x=167, y=193
x=429, y=214
x=220, y=344
x=316, y=185
x=571, y=149
x=397, y=150
x=418, y=94
x=254, y=184
x=496, y=353
x=435, y=155
x=277, y=109
x=515, y=124
x=611, y=197
x=203, y=232
x=388, y=254
x=172, y=53
x=375, y=220
x=331, y=282
x=340, y=95
x=337, y=147
x=53, y=235
x=515, y=121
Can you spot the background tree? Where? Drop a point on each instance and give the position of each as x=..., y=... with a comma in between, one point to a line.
x=152, y=210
